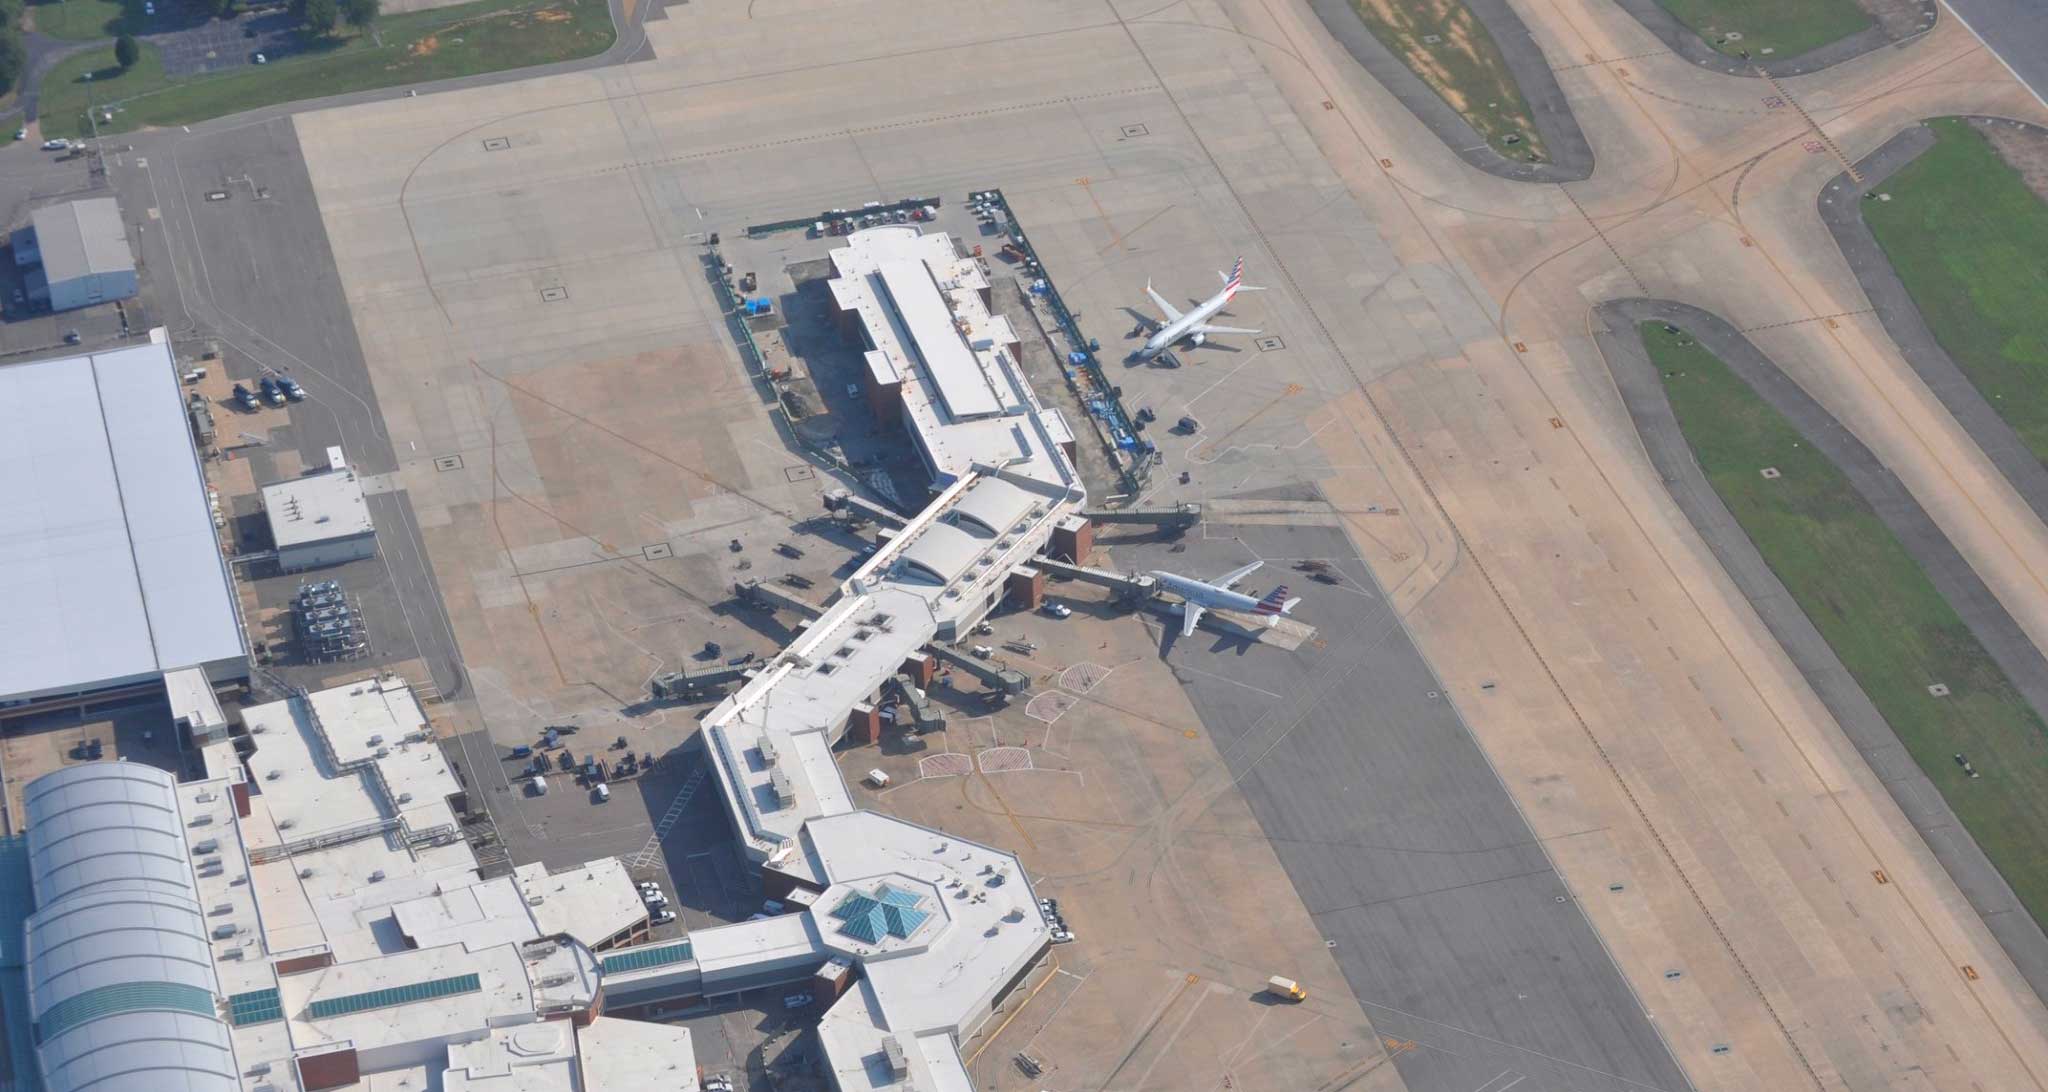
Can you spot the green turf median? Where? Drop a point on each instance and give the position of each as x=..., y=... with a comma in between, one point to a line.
x=1876, y=608
x=1970, y=241
x=1769, y=29
x=465, y=40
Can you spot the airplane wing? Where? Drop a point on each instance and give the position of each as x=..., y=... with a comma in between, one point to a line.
x=1190, y=616
x=1207, y=329
x=1230, y=580
x=1159, y=301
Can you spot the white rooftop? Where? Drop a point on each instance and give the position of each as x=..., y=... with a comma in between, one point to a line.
x=591, y=903
x=316, y=508
x=528, y=1058
x=964, y=396
x=501, y=995
x=109, y=566
x=631, y=1056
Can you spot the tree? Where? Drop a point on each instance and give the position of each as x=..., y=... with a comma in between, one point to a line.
x=360, y=13
x=126, y=52
x=321, y=15
x=13, y=58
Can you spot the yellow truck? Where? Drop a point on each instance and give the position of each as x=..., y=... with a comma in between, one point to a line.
x=1286, y=989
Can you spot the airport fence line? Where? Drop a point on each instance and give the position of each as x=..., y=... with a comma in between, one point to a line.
x=834, y=216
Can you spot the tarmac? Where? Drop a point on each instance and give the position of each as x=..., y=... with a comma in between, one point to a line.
x=233, y=216
x=1442, y=907
x=1917, y=797
x=1571, y=157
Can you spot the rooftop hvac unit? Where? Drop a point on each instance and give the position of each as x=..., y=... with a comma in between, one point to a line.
x=287, y=824
x=305, y=873
x=785, y=793
x=223, y=908
x=558, y=979
x=375, y=740
x=234, y=953
x=202, y=819
x=257, y=1070
x=405, y=798
x=258, y=728
x=206, y=797
x=541, y=950
x=898, y=1064
x=210, y=845
x=225, y=930
x=273, y=775
x=377, y=876
x=383, y=752
x=768, y=755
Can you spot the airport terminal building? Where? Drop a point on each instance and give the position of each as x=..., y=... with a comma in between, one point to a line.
x=317, y=921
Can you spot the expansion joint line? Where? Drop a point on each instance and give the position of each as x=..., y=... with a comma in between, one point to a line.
x=1604, y=240
x=1826, y=141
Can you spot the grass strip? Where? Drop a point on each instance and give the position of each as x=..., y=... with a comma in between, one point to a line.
x=1876, y=608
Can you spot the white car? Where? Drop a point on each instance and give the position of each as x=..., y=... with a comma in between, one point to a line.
x=649, y=885
x=1058, y=609
x=655, y=900
x=261, y=59
x=662, y=917
x=56, y=144
x=1062, y=937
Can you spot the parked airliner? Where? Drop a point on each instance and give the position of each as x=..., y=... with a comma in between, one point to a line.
x=1194, y=327
x=1198, y=596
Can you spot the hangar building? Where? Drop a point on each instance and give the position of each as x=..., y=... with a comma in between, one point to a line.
x=77, y=254
x=109, y=563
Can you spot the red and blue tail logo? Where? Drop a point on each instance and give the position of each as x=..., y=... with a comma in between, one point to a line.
x=1236, y=277
x=1275, y=603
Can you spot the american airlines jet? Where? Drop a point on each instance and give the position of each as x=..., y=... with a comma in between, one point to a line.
x=1194, y=327
x=1198, y=596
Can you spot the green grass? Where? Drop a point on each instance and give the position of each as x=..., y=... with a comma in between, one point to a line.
x=1463, y=66
x=1876, y=608
x=1970, y=241
x=489, y=36
x=1786, y=28
x=82, y=20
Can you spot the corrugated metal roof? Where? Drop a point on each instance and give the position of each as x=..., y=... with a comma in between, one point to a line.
x=109, y=564
x=120, y=967
x=79, y=238
x=942, y=552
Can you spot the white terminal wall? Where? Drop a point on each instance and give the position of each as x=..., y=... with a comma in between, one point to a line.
x=110, y=570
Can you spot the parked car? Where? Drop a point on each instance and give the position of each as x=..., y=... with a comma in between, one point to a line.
x=260, y=59
x=654, y=899
x=272, y=393
x=245, y=399
x=291, y=388
x=662, y=917
x=1058, y=609
x=56, y=144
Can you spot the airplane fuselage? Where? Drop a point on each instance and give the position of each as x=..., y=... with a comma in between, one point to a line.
x=1173, y=333
x=1204, y=594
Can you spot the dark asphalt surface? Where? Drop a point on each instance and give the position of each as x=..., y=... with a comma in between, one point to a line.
x=2017, y=31
x=1571, y=157
x=1444, y=912
x=1643, y=393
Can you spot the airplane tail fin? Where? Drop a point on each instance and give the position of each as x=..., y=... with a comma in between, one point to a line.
x=1233, y=281
x=1276, y=604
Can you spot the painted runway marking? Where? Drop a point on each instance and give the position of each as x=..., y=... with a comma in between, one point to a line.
x=1050, y=706
x=1003, y=759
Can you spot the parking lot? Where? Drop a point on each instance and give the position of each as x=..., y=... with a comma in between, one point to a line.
x=192, y=42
